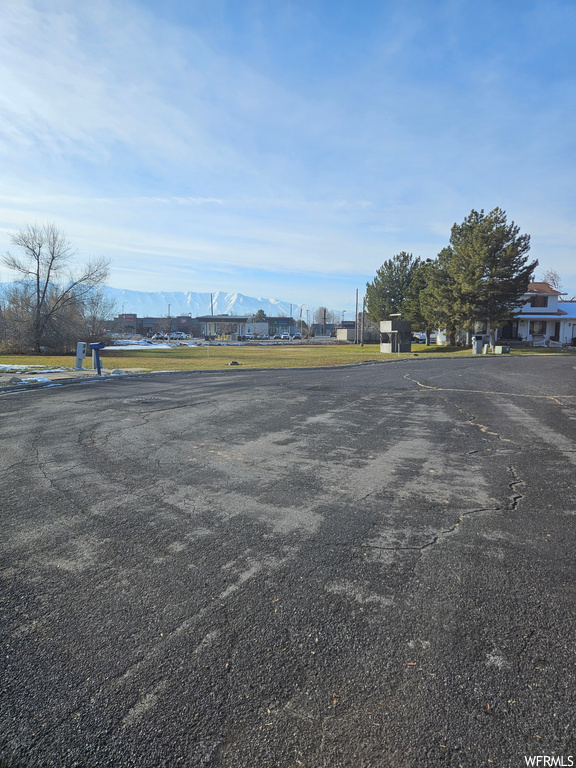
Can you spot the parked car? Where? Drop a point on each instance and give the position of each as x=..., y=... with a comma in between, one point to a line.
x=277, y=336
x=297, y=336
x=177, y=335
x=285, y=336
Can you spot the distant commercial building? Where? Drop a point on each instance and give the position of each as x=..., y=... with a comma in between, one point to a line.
x=203, y=326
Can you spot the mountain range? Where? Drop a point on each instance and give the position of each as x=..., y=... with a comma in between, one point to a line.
x=173, y=303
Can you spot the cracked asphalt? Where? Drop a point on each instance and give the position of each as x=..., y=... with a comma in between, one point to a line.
x=362, y=567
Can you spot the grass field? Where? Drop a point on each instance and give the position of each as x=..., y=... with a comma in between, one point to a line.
x=216, y=357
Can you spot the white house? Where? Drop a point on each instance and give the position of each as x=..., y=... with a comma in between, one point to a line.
x=543, y=318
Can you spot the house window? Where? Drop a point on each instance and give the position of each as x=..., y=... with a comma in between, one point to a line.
x=539, y=301
x=537, y=327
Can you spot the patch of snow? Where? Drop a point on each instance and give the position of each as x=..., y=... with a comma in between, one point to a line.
x=149, y=347
x=42, y=368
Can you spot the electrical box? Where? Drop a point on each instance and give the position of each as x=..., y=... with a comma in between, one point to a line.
x=81, y=350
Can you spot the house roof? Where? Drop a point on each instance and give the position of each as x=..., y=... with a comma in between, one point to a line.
x=566, y=311
x=542, y=316
x=569, y=307
x=543, y=288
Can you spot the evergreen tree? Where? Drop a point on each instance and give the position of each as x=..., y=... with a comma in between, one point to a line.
x=490, y=264
x=481, y=276
x=415, y=308
x=438, y=299
x=390, y=289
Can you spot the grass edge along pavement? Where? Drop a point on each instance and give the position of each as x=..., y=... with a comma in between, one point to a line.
x=185, y=358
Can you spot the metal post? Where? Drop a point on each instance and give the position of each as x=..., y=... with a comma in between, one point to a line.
x=96, y=347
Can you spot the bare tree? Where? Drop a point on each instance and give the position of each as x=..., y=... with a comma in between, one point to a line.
x=51, y=290
x=96, y=309
x=320, y=314
x=553, y=279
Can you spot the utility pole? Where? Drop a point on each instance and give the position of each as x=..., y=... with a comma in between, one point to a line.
x=362, y=326
x=356, y=323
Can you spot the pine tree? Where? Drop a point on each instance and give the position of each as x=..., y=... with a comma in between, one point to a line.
x=415, y=308
x=481, y=276
x=390, y=289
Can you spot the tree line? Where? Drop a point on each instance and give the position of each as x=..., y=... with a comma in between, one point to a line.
x=477, y=280
x=54, y=302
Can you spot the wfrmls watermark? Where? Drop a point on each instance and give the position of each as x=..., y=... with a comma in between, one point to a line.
x=547, y=761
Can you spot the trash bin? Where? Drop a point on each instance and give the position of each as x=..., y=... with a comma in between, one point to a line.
x=477, y=345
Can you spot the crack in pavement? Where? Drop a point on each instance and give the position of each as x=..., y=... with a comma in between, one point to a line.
x=554, y=398
x=515, y=499
x=41, y=464
x=439, y=535
x=516, y=495
x=483, y=428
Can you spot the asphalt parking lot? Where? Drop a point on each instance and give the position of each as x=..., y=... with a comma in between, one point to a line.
x=367, y=567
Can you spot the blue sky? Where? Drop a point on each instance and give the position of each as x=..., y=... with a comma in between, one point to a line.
x=285, y=148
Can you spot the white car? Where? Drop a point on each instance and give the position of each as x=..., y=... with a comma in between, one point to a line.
x=285, y=336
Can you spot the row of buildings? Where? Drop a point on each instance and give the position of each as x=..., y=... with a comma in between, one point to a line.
x=544, y=318
x=208, y=326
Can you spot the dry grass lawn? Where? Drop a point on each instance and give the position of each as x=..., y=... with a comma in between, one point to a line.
x=216, y=357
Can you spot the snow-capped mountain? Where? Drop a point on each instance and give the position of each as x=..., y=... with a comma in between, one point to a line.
x=176, y=303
